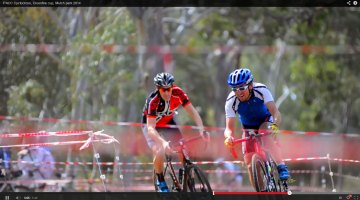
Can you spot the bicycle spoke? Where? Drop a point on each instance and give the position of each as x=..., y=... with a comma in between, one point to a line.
x=279, y=185
x=196, y=180
x=260, y=177
x=275, y=180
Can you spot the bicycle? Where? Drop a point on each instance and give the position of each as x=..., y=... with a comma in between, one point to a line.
x=190, y=177
x=6, y=177
x=264, y=168
x=10, y=182
x=29, y=177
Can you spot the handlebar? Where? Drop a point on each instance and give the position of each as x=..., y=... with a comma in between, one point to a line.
x=182, y=142
x=251, y=137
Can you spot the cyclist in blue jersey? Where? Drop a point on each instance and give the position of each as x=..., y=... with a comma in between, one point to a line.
x=256, y=109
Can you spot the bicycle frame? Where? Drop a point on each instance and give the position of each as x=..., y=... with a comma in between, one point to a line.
x=179, y=183
x=266, y=157
x=190, y=175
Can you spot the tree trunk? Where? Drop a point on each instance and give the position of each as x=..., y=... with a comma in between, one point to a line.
x=226, y=63
x=150, y=35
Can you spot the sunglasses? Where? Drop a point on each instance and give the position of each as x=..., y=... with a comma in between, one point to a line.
x=165, y=89
x=242, y=88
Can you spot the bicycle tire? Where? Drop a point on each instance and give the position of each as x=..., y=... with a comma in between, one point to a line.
x=275, y=177
x=195, y=180
x=261, y=180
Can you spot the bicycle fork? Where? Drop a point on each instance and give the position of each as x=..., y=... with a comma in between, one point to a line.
x=270, y=177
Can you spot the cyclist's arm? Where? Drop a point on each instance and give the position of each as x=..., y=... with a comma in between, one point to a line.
x=230, y=127
x=151, y=124
x=274, y=112
x=195, y=116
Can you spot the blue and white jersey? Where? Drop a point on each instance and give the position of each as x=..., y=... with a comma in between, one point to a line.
x=253, y=112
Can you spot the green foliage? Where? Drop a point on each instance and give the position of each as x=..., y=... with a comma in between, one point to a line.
x=323, y=85
x=320, y=87
x=89, y=83
x=26, y=99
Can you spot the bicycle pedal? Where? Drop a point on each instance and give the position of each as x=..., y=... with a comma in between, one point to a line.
x=290, y=180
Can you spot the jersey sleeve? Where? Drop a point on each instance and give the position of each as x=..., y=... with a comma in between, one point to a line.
x=152, y=107
x=266, y=94
x=184, y=99
x=229, y=111
x=182, y=95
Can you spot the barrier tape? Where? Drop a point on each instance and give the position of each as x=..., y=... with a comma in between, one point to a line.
x=309, y=158
x=50, y=181
x=179, y=163
x=347, y=176
x=222, y=171
x=44, y=133
x=64, y=181
x=56, y=143
x=52, y=120
x=47, y=181
x=109, y=139
x=163, y=49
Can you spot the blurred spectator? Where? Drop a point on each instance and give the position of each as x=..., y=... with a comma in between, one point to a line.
x=229, y=175
x=5, y=156
x=36, y=162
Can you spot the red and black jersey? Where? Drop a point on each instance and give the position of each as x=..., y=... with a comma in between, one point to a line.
x=164, y=111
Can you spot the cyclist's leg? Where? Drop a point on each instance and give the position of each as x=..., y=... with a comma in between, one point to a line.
x=158, y=153
x=272, y=145
x=173, y=135
x=158, y=159
x=248, y=151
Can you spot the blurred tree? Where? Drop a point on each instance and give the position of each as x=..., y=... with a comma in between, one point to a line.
x=85, y=82
x=31, y=26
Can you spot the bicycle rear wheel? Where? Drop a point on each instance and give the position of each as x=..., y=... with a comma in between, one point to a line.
x=195, y=180
x=261, y=180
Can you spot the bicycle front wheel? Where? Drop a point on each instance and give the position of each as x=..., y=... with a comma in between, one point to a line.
x=279, y=185
x=260, y=177
x=195, y=180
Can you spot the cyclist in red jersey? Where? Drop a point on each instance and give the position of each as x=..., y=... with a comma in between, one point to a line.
x=159, y=111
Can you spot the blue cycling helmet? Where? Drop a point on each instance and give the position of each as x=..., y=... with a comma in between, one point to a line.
x=240, y=77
